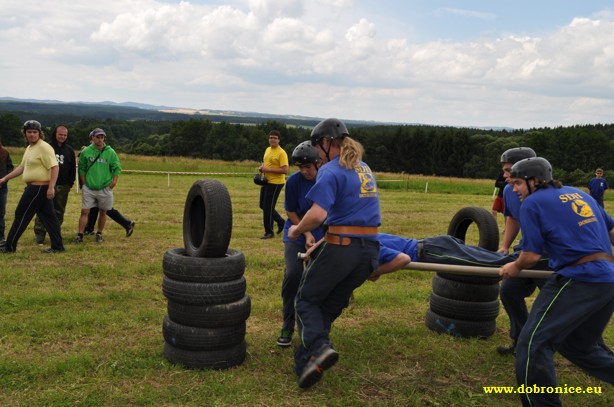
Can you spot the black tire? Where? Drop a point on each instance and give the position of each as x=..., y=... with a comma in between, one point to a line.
x=203, y=294
x=192, y=338
x=463, y=291
x=207, y=219
x=458, y=327
x=489, y=238
x=465, y=310
x=210, y=316
x=487, y=226
x=479, y=280
x=177, y=265
x=207, y=359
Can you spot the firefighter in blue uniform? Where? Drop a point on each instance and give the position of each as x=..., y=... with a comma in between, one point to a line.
x=345, y=195
x=307, y=158
x=575, y=304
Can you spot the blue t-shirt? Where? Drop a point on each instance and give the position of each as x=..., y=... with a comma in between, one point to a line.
x=568, y=224
x=390, y=246
x=348, y=196
x=512, y=203
x=297, y=187
x=597, y=187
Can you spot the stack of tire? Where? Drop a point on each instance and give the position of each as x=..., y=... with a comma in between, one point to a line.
x=463, y=305
x=204, y=285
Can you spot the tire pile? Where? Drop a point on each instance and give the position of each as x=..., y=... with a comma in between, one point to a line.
x=467, y=306
x=203, y=282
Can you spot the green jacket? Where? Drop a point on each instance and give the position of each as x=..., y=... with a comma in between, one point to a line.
x=99, y=174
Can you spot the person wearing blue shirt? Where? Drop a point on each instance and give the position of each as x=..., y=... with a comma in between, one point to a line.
x=513, y=292
x=597, y=186
x=307, y=158
x=345, y=195
x=576, y=303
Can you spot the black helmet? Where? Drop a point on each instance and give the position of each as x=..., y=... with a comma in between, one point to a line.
x=305, y=153
x=513, y=155
x=329, y=128
x=534, y=167
x=32, y=124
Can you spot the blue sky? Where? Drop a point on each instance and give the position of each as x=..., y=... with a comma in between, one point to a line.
x=519, y=63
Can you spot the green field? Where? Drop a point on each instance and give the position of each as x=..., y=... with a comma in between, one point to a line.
x=84, y=327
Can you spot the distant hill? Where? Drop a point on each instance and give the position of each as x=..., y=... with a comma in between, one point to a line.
x=57, y=111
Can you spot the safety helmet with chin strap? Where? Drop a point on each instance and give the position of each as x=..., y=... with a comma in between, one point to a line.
x=32, y=125
x=328, y=128
x=533, y=167
x=305, y=153
x=513, y=155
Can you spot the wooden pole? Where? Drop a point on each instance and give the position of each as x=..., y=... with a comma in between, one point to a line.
x=473, y=270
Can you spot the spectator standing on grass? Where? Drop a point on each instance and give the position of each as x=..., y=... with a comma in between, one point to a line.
x=597, y=186
x=113, y=213
x=498, y=204
x=576, y=303
x=6, y=166
x=345, y=195
x=307, y=158
x=275, y=168
x=513, y=292
x=99, y=170
x=65, y=155
x=39, y=170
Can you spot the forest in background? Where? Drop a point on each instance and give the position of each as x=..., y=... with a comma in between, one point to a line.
x=574, y=151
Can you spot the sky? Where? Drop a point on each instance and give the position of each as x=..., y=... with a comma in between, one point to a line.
x=512, y=63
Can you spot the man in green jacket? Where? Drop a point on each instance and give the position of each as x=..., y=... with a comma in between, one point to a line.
x=99, y=171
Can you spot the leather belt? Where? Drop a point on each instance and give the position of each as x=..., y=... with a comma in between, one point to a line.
x=38, y=183
x=593, y=257
x=338, y=240
x=352, y=230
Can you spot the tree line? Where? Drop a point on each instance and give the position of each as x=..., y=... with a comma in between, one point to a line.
x=574, y=151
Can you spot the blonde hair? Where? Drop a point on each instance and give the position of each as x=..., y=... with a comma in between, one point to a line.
x=351, y=152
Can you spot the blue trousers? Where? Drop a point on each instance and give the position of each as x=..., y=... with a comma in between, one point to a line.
x=34, y=202
x=290, y=284
x=325, y=290
x=445, y=249
x=268, y=199
x=567, y=316
x=513, y=292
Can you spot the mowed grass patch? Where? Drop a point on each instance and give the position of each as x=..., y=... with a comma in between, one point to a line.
x=85, y=327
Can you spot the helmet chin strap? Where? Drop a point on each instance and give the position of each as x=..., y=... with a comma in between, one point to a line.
x=528, y=186
x=330, y=144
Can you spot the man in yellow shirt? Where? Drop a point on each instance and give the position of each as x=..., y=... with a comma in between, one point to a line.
x=275, y=168
x=39, y=170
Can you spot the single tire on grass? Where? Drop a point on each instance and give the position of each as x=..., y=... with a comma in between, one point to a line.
x=458, y=327
x=464, y=310
x=207, y=219
x=463, y=291
x=192, y=338
x=178, y=265
x=210, y=316
x=207, y=359
x=203, y=293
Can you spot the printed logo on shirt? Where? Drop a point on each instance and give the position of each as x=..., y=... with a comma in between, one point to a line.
x=368, y=186
x=60, y=158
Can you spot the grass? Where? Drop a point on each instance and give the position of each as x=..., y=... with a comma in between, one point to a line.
x=84, y=327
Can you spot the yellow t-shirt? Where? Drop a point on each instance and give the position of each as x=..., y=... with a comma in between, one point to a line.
x=275, y=158
x=37, y=162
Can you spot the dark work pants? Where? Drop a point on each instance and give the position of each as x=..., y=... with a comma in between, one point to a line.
x=112, y=213
x=3, y=196
x=567, y=316
x=289, y=286
x=268, y=199
x=445, y=249
x=513, y=293
x=34, y=202
x=59, y=204
x=325, y=290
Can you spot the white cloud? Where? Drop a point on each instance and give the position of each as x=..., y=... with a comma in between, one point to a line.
x=302, y=57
